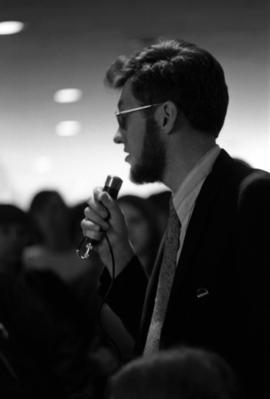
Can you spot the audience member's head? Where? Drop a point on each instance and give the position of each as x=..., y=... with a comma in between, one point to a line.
x=183, y=373
x=51, y=219
x=142, y=227
x=14, y=236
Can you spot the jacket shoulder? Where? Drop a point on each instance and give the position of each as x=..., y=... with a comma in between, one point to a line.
x=255, y=187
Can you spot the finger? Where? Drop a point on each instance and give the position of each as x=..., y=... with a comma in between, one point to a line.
x=91, y=230
x=96, y=202
x=108, y=203
x=97, y=219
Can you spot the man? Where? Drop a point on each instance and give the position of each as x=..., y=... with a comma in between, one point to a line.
x=172, y=107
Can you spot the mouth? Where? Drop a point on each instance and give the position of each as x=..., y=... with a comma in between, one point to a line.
x=127, y=156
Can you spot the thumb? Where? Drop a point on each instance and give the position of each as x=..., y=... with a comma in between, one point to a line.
x=109, y=203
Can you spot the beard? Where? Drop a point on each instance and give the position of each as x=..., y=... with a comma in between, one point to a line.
x=151, y=166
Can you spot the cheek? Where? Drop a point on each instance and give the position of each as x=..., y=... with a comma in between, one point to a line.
x=135, y=144
x=135, y=138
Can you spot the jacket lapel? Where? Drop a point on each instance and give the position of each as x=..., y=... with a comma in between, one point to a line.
x=204, y=206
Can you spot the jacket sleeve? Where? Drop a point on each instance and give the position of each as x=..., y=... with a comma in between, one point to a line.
x=253, y=266
x=126, y=297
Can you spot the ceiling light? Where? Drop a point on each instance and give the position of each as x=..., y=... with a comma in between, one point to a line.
x=10, y=27
x=67, y=96
x=68, y=128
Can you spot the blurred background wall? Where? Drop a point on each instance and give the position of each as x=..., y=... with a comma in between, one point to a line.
x=70, y=44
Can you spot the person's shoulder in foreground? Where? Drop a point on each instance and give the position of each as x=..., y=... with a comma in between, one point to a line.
x=184, y=372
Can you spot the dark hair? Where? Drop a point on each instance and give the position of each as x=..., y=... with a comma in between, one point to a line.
x=41, y=198
x=187, y=373
x=53, y=202
x=180, y=72
x=10, y=213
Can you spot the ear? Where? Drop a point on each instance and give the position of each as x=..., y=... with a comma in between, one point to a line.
x=167, y=116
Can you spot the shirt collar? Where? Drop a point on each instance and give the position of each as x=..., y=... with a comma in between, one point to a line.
x=185, y=196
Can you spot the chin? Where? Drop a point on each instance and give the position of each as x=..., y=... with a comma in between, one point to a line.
x=140, y=175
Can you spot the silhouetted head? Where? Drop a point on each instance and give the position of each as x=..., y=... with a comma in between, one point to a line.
x=183, y=373
x=14, y=236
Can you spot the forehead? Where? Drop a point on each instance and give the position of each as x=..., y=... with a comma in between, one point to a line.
x=127, y=99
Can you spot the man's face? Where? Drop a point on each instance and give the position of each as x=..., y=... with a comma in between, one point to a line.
x=140, y=135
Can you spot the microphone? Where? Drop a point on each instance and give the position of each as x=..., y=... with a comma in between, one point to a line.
x=112, y=186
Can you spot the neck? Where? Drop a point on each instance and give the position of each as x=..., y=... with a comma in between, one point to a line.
x=183, y=154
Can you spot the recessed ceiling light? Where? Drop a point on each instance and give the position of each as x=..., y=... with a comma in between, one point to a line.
x=67, y=96
x=68, y=128
x=11, y=27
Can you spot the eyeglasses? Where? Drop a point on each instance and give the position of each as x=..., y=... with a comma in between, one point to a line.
x=121, y=115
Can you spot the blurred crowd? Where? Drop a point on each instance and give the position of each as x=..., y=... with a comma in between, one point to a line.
x=52, y=338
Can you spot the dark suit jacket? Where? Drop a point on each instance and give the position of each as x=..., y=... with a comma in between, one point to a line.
x=220, y=297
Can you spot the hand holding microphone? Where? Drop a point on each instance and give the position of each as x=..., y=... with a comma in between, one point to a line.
x=112, y=186
x=103, y=217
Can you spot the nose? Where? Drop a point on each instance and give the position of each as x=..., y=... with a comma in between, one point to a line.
x=118, y=139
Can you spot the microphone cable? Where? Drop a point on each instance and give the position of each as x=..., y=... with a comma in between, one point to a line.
x=108, y=336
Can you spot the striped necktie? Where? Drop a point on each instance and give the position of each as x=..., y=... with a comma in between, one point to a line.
x=165, y=281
